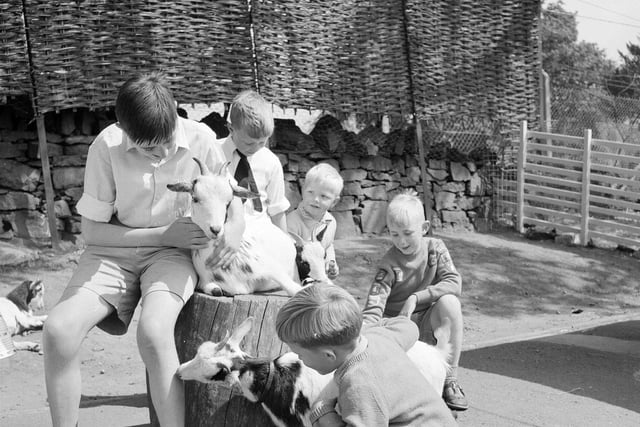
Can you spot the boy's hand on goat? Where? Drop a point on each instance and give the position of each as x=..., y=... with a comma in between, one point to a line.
x=409, y=306
x=332, y=269
x=184, y=233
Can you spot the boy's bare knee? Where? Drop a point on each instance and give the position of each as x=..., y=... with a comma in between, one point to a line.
x=58, y=333
x=153, y=338
x=449, y=304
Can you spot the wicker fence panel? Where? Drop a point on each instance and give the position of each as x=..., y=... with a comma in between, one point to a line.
x=475, y=59
x=14, y=63
x=343, y=56
x=83, y=50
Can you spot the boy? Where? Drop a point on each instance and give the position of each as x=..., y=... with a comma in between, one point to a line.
x=377, y=383
x=417, y=279
x=311, y=220
x=252, y=164
x=138, y=246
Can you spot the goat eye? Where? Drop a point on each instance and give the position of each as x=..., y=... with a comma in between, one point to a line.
x=196, y=200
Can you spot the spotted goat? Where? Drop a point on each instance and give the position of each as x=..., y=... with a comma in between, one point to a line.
x=285, y=387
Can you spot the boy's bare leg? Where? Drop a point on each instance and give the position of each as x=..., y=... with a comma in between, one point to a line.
x=448, y=307
x=157, y=348
x=77, y=312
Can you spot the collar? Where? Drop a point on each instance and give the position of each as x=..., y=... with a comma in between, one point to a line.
x=180, y=137
x=306, y=217
x=356, y=355
x=270, y=372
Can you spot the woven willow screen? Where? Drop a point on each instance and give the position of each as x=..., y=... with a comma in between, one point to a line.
x=474, y=59
x=338, y=55
x=83, y=50
x=443, y=58
x=14, y=62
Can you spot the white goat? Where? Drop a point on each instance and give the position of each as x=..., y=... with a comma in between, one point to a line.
x=266, y=258
x=285, y=387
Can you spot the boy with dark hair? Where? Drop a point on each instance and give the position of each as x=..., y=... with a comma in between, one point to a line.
x=139, y=240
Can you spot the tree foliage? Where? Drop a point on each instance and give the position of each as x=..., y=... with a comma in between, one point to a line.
x=571, y=64
x=625, y=81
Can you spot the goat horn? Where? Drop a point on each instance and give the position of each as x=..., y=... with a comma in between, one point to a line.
x=297, y=239
x=223, y=168
x=203, y=168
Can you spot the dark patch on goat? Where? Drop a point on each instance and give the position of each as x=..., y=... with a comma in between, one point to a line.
x=303, y=266
x=246, y=268
x=21, y=296
x=279, y=396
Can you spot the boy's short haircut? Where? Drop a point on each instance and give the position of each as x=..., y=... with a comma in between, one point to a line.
x=405, y=208
x=321, y=314
x=146, y=109
x=324, y=173
x=252, y=113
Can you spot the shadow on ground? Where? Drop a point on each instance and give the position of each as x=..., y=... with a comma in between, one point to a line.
x=138, y=400
x=600, y=374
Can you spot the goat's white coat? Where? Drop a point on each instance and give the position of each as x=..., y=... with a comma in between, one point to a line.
x=19, y=321
x=266, y=258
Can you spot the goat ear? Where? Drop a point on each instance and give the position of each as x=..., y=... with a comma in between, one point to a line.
x=36, y=285
x=181, y=187
x=241, y=331
x=245, y=193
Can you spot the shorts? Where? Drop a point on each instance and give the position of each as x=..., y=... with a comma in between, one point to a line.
x=423, y=320
x=124, y=276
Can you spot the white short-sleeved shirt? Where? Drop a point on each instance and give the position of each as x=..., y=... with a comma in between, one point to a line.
x=269, y=177
x=121, y=181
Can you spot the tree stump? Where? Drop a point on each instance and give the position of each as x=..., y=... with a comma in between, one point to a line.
x=207, y=318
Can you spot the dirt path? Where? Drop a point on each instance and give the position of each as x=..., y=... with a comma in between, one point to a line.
x=512, y=289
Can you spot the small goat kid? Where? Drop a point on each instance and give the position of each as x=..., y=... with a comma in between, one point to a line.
x=266, y=258
x=285, y=387
x=16, y=309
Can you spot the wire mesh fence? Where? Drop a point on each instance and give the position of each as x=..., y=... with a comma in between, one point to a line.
x=609, y=118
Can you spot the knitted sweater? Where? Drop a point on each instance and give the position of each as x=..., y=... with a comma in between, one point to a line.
x=429, y=273
x=380, y=386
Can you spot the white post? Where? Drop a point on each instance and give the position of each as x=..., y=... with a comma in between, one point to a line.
x=522, y=159
x=586, y=183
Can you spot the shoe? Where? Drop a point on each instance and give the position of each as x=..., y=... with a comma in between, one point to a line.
x=454, y=396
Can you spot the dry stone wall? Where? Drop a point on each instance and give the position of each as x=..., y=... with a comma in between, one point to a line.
x=457, y=189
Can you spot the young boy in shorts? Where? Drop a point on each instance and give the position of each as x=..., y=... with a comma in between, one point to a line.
x=378, y=385
x=417, y=279
x=311, y=219
x=250, y=126
x=138, y=246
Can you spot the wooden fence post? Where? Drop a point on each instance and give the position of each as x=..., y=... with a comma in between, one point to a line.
x=48, y=185
x=522, y=159
x=586, y=184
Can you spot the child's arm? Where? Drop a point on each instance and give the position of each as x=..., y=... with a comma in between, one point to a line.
x=331, y=264
x=447, y=279
x=182, y=233
x=378, y=294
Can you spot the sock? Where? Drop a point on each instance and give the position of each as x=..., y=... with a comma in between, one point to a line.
x=452, y=374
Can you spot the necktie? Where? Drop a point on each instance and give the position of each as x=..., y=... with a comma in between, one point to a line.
x=244, y=177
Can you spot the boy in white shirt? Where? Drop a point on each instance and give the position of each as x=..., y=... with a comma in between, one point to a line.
x=139, y=243
x=250, y=126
